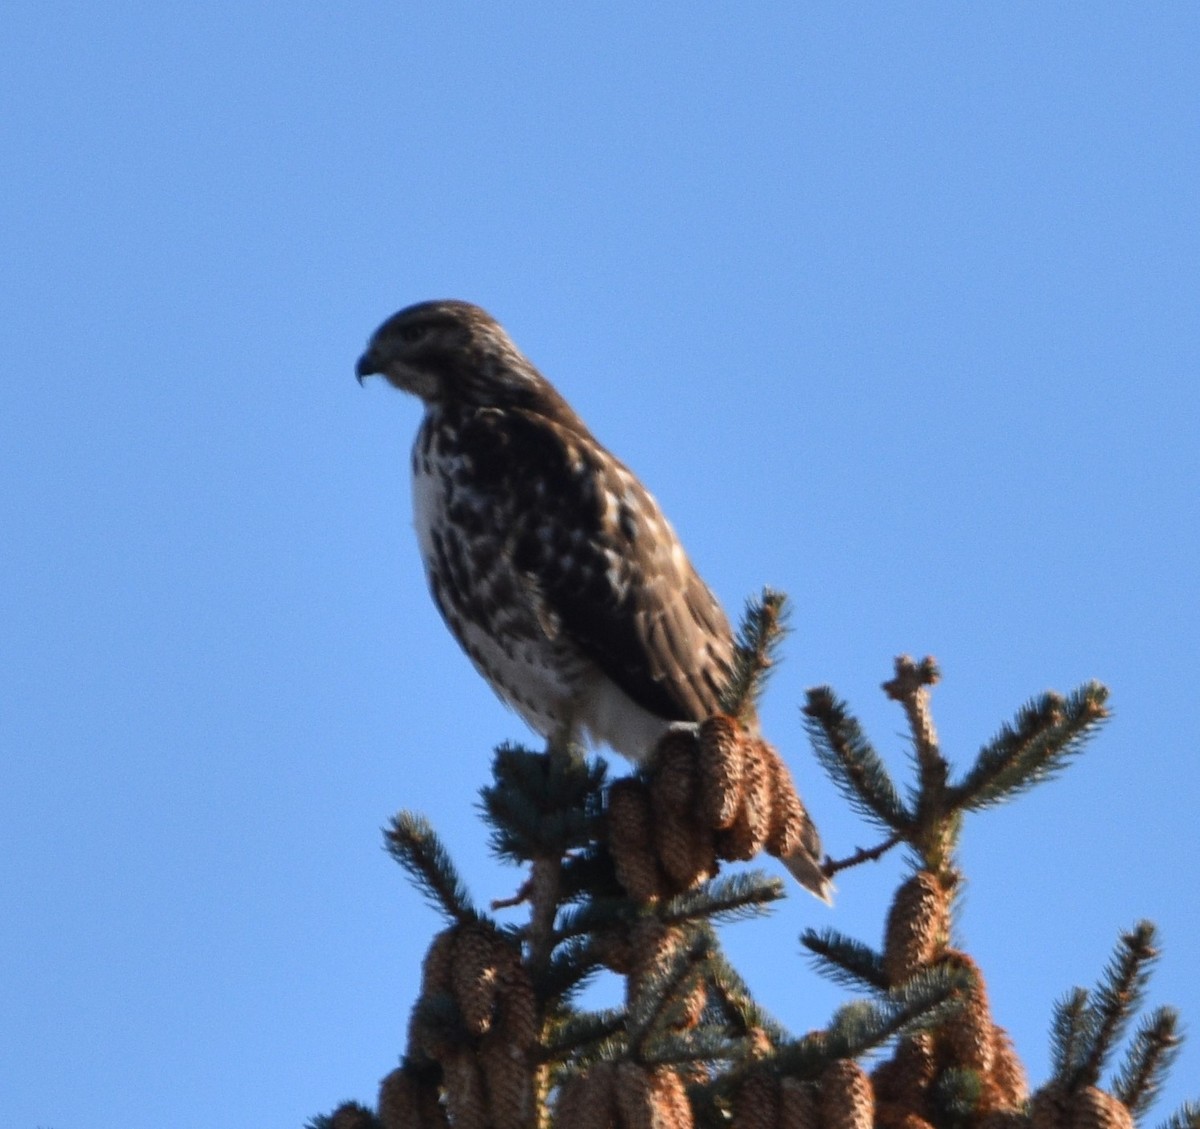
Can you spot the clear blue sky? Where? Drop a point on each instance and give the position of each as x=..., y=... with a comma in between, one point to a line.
x=893, y=306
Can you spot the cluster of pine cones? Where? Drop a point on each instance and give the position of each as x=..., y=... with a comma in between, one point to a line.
x=718, y=793
x=476, y=1019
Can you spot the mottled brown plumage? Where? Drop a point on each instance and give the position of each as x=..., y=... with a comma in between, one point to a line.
x=552, y=565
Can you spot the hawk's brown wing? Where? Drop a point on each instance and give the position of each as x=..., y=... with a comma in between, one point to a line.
x=602, y=562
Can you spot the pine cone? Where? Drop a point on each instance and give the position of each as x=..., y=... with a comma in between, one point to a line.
x=683, y=842
x=1008, y=1072
x=466, y=1099
x=692, y=1004
x=1048, y=1108
x=1094, y=1109
x=438, y=962
x=846, y=1100
x=636, y=1100
x=792, y=836
x=747, y=835
x=892, y=1115
x=905, y=1078
x=722, y=768
x=670, y=1099
x=516, y=1001
x=757, y=1103
x=588, y=1100
x=917, y=926
x=508, y=1079
x=630, y=840
x=797, y=1105
x=1003, y=1119
x=427, y=1041
x=406, y=1101
x=968, y=1036
x=475, y=975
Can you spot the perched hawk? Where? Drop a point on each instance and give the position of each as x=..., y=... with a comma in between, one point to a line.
x=551, y=563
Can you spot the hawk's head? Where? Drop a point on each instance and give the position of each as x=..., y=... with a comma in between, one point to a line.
x=452, y=352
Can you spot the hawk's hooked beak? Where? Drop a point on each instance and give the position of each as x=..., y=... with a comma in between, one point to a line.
x=367, y=365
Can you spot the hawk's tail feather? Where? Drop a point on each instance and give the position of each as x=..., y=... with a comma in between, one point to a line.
x=807, y=871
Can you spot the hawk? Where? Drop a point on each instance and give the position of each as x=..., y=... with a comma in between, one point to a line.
x=549, y=561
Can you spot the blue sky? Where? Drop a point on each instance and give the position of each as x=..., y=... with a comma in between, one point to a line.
x=892, y=306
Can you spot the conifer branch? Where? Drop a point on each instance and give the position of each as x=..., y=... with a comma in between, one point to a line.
x=756, y=651
x=691, y=1047
x=925, y=999
x=738, y=897
x=1154, y=1047
x=910, y=687
x=1046, y=733
x=1187, y=1116
x=863, y=854
x=844, y=960
x=955, y=1095
x=571, y=967
x=413, y=843
x=853, y=765
x=584, y=1035
x=592, y=916
x=1070, y=1030
x=863, y=1025
x=731, y=996
x=1117, y=998
x=541, y=804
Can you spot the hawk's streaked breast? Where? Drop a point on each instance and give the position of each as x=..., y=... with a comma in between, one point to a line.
x=550, y=562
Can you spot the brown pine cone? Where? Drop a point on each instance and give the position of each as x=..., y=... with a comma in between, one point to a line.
x=614, y=950
x=516, y=1001
x=1003, y=1119
x=475, y=976
x=588, y=1100
x=747, y=835
x=721, y=764
x=636, y=1102
x=1048, y=1109
x=466, y=1099
x=756, y=1105
x=670, y=1099
x=406, y=1101
x=630, y=840
x=1008, y=1072
x=425, y=1040
x=797, y=1105
x=905, y=1078
x=438, y=963
x=893, y=1115
x=967, y=1037
x=508, y=1080
x=792, y=836
x=1094, y=1109
x=846, y=1100
x=692, y=1005
x=684, y=844
x=917, y=927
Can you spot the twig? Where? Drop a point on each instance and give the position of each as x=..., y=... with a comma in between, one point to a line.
x=831, y=866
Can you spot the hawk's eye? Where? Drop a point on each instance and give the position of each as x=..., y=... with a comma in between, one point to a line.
x=412, y=333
